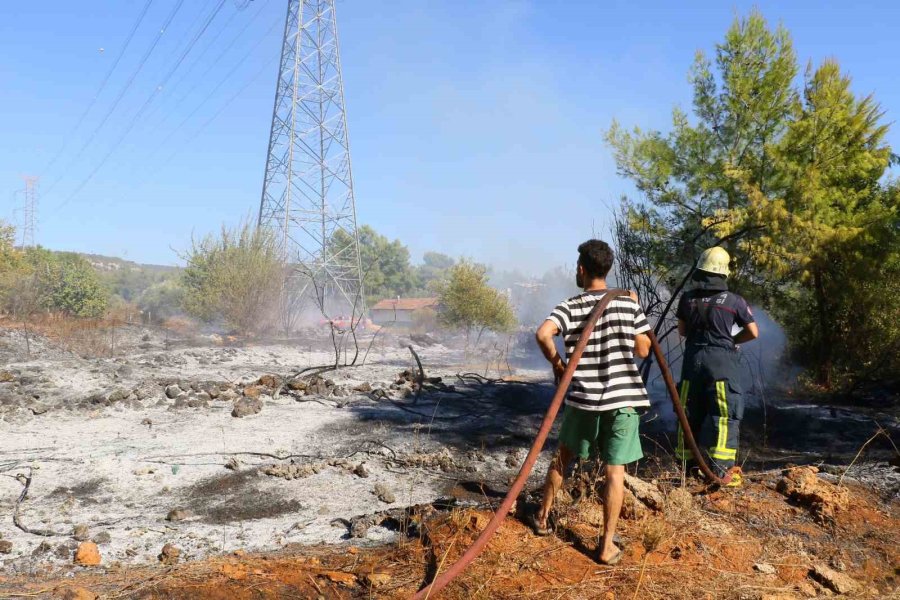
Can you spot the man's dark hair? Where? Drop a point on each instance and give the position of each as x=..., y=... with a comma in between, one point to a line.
x=596, y=258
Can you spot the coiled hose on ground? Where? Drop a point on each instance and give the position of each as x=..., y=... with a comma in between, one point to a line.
x=475, y=549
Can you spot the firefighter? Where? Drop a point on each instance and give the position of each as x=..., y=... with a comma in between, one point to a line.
x=710, y=386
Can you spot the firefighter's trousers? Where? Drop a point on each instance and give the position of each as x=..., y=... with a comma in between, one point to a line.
x=711, y=395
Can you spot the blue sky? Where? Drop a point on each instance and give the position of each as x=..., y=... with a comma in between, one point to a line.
x=476, y=127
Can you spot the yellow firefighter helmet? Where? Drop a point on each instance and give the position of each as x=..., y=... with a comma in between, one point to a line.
x=715, y=260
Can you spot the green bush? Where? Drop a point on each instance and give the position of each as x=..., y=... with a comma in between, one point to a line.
x=469, y=304
x=235, y=277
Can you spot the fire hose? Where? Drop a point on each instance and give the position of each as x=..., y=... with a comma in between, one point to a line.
x=475, y=549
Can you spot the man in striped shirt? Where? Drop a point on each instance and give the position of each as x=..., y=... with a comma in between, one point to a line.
x=600, y=416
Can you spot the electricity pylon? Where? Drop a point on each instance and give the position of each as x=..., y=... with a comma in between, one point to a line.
x=307, y=196
x=29, y=211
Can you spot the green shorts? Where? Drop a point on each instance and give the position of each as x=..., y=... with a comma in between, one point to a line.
x=610, y=434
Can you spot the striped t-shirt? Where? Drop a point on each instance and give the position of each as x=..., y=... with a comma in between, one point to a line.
x=606, y=377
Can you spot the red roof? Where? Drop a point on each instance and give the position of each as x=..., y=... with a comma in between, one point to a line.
x=405, y=303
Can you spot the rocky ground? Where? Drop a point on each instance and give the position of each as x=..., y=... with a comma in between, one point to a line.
x=191, y=468
x=216, y=448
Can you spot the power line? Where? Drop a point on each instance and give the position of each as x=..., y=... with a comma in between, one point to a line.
x=122, y=92
x=103, y=83
x=199, y=57
x=227, y=47
x=134, y=120
x=216, y=115
x=215, y=89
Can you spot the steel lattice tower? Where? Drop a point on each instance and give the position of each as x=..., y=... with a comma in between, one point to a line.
x=29, y=212
x=307, y=196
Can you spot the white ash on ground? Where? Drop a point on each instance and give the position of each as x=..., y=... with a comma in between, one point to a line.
x=141, y=450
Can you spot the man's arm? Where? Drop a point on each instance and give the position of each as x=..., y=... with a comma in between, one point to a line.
x=642, y=345
x=641, y=340
x=747, y=334
x=544, y=336
x=744, y=319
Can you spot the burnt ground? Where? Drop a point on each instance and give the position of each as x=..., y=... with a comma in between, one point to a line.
x=108, y=448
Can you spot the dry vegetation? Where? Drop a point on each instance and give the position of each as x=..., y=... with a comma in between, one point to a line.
x=752, y=543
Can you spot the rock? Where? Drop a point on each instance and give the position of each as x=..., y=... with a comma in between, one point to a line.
x=360, y=470
x=228, y=395
x=807, y=589
x=98, y=399
x=181, y=401
x=422, y=339
x=377, y=580
x=384, y=494
x=144, y=391
x=340, y=391
x=512, y=460
x=824, y=499
x=297, y=385
x=201, y=400
x=87, y=554
x=765, y=568
x=646, y=493
x=244, y=407
x=43, y=548
x=173, y=391
x=147, y=421
x=81, y=533
x=102, y=538
x=233, y=464
x=252, y=391
x=38, y=409
x=118, y=395
x=340, y=577
x=836, y=582
x=6, y=547
x=169, y=554
x=177, y=514
x=269, y=381
x=632, y=508
x=364, y=387
x=78, y=593
x=213, y=391
x=292, y=471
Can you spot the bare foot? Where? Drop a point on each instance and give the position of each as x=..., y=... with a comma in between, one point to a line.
x=610, y=555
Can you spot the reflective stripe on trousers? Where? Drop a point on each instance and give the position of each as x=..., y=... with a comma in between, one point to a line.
x=721, y=450
x=680, y=451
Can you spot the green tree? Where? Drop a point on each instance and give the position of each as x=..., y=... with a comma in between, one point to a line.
x=742, y=105
x=386, y=268
x=792, y=182
x=468, y=303
x=63, y=281
x=75, y=287
x=162, y=300
x=9, y=256
x=827, y=222
x=434, y=267
x=235, y=277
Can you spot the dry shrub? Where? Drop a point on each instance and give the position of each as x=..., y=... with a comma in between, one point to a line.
x=679, y=504
x=654, y=530
x=180, y=325
x=86, y=337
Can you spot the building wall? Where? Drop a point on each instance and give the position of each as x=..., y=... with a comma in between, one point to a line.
x=382, y=317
